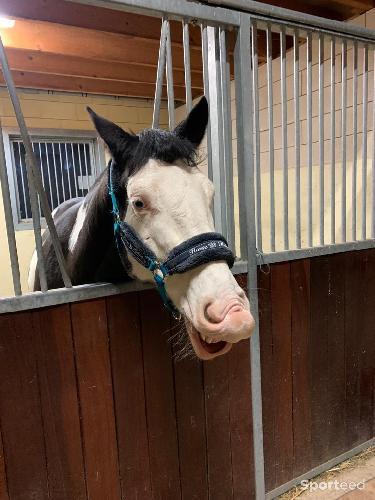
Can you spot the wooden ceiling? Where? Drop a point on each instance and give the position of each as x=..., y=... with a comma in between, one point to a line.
x=59, y=45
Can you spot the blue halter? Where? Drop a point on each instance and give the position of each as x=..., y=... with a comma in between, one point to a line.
x=200, y=249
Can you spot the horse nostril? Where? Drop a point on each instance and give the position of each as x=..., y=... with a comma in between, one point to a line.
x=209, y=313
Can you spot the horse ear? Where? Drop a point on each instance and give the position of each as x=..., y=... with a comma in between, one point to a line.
x=194, y=126
x=117, y=140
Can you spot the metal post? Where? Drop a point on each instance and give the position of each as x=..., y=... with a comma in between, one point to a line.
x=333, y=141
x=297, y=136
x=284, y=134
x=227, y=167
x=243, y=81
x=35, y=181
x=216, y=127
x=206, y=84
x=169, y=73
x=258, y=182
x=186, y=42
x=309, y=138
x=343, y=137
x=364, y=142
x=321, y=136
x=12, y=245
x=160, y=74
x=355, y=141
x=270, y=135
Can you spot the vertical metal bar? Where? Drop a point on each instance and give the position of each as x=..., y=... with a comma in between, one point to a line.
x=333, y=141
x=355, y=141
x=68, y=169
x=35, y=181
x=297, y=136
x=62, y=173
x=258, y=182
x=49, y=175
x=160, y=74
x=11, y=236
x=55, y=169
x=284, y=135
x=216, y=128
x=343, y=136
x=364, y=141
x=186, y=42
x=321, y=136
x=86, y=166
x=74, y=169
x=80, y=169
x=244, y=120
x=227, y=165
x=309, y=139
x=169, y=73
x=207, y=94
x=270, y=136
x=23, y=180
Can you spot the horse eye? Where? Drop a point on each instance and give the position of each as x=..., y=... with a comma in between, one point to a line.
x=138, y=204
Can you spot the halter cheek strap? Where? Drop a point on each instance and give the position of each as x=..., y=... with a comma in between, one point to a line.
x=198, y=250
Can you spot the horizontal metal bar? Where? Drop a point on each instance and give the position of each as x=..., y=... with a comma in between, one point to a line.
x=305, y=253
x=314, y=23
x=176, y=9
x=36, y=300
x=319, y=469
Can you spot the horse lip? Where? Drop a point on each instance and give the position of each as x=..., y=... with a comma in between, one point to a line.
x=198, y=342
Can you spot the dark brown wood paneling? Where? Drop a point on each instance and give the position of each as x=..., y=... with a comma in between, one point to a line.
x=130, y=404
x=241, y=436
x=301, y=365
x=282, y=371
x=96, y=401
x=335, y=406
x=160, y=404
x=216, y=386
x=59, y=403
x=266, y=356
x=20, y=412
x=3, y=479
x=191, y=427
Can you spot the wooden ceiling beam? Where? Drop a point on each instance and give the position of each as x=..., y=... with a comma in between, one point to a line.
x=98, y=45
x=57, y=64
x=90, y=86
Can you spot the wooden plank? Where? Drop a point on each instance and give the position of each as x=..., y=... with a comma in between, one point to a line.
x=282, y=371
x=98, y=45
x=20, y=412
x=301, y=365
x=33, y=61
x=189, y=396
x=130, y=405
x=160, y=404
x=367, y=347
x=241, y=422
x=335, y=404
x=88, y=85
x=96, y=399
x=217, y=401
x=59, y=400
x=4, y=494
x=354, y=324
x=266, y=355
x=319, y=358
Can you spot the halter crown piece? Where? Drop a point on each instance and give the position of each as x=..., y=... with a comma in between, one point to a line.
x=198, y=250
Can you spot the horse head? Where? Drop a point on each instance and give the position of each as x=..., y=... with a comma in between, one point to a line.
x=167, y=200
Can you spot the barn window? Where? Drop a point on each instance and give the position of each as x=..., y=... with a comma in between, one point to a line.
x=69, y=167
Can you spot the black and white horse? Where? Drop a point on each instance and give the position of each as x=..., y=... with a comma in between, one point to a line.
x=167, y=200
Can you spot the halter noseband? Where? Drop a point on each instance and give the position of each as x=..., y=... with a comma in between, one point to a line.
x=198, y=250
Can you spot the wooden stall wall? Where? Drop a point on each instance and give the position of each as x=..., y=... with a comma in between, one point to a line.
x=94, y=405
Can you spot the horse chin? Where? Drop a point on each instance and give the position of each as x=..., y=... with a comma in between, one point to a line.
x=203, y=349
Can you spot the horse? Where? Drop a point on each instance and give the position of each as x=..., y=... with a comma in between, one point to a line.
x=166, y=199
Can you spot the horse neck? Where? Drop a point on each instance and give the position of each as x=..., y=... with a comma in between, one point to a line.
x=95, y=239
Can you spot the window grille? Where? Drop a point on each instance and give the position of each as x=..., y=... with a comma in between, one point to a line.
x=68, y=168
